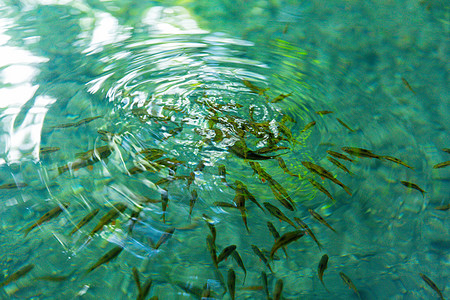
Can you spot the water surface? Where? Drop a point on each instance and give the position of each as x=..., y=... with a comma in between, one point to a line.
x=190, y=80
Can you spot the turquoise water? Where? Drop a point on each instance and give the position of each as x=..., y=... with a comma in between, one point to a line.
x=191, y=79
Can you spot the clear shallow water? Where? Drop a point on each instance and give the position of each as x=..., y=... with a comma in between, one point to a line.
x=149, y=70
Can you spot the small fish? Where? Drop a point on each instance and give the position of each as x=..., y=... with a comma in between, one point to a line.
x=165, y=236
x=279, y=192
x=324, y=112
x=432, y=285
x=239, y=199
x=210, y=245
x=360, y=152
x=320, y=219
x=85, y=121
x=264, y=150
x=147, y=166
x=277, y=213
x=283, y=166
x=241, y=150
x=47, y=150
x=200, y=166
x=238, y=259
x=287, y=132
x=285, y=201
x=396, y=160
x=339, y=155
x=145, y=290
x=443, y=207
x=224, y=204
x=261, y=256
x=265, y=284
x=190, y=226
x=308, y=126
x=151, y=153
x=322, y=267
x=226, y=252
x=257, y=169
x=85, y=220
x=222, y=173
x=109, y=136
x=278, y=290
x=136, y=279
x=254, y=88
x=442, y=165
x=413, y=186
x=52, y=278
x=170, y=163
x=349, y=282
x=173, y=132
x=15, y=276
x=194, y=197
x=111, y=254
x=253, y=288
x=48, y=216
x=285, y=239
x=134, y=216
x=110, y=216
x=211, y=226
x=345, y=125
x=286, y=118
x=87, y=158
x=308, y=230
x=164, y=203
x=320, y=188
x=10, y=186
x=280, y=97
x=407, y=85
x=169, y=179
x=242, y=188
x=191, y=179
x=338, y=164
x=231, y=283
x=285, y=29
x=64, y=125
x=324, y=173
x=275, y=234
x=446, y=150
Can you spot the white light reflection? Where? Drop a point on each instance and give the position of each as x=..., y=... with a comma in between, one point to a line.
x=18, y=74
x=15, y=91
x=27, y=137
x=171, y=20
x=32, y=4
x=107, y=31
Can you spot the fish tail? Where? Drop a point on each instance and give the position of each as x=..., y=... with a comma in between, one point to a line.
x=26, y=232
x=347, y=190
x=325, y=286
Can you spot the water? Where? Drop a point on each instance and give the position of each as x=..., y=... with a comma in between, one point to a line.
x=170, y=76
